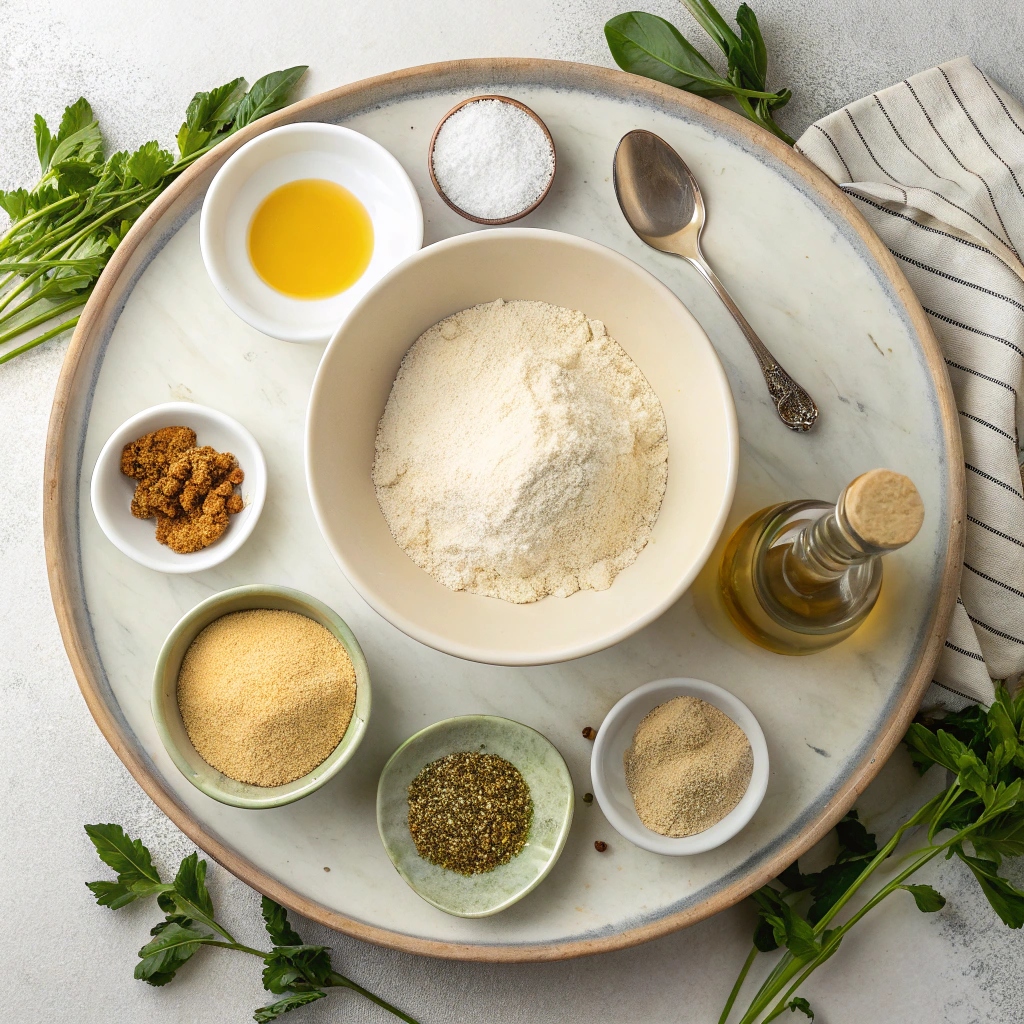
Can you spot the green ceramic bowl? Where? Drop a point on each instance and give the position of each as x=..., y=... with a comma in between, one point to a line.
x=168, y=718
x=550, y=786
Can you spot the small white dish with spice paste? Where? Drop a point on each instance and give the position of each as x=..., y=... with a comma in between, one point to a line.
x=111, y=491
x=337, y=160
x=608, y=773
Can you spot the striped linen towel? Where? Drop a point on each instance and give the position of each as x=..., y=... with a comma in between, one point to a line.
x=936, y=165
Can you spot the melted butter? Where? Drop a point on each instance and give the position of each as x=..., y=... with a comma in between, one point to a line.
x=310, y=239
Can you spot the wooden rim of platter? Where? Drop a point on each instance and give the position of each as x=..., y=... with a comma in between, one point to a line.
x=74, y=394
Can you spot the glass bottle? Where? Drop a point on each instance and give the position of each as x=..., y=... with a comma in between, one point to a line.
x=803, y=575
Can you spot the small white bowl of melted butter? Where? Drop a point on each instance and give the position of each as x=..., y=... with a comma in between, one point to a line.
x=301, y=222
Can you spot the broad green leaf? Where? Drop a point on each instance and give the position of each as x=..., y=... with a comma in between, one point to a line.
x=76, y=117
x=15, y=203
x=831, y=884
x=742, y=67
x=191, y=140
x=287, y=964
x=1007, y=901
x=854, y=838
x=75, y=176
x=1002, y=838
x=799, y=935
x=764, y=933
x=1003, y=798
x=292, y=1002
x=801, y=1004
x=117, y=166
x=753, y=41
x=1001, y=725
x=45, y=142
x=148, y=164
x=770, y=930
x=647, y=45
x=269, y=93
x=707, y=16
x=207, y=114
x=926, y=750
x=190, y=893
x=128, y=857
x=85, y=144
x=112, y=894
x=792, y=879
x=160, y=958
x=927, y=899
x=224, y=102
x=280, y=931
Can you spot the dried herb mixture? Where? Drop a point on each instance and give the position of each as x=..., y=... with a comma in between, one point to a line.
x=470, y=812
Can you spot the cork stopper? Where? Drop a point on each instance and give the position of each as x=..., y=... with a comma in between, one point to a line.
x=884, y=508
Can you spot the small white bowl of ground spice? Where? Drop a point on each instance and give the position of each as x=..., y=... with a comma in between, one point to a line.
x=261, y=694
x=179, y=487
x=679, y=766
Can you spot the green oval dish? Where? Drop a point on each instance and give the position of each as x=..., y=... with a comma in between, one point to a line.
x=168, y=717
x=550, y=784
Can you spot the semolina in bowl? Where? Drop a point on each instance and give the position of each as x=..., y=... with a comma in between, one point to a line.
x=264, y=771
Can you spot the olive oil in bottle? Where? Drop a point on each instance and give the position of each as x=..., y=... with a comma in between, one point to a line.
x=803, y=575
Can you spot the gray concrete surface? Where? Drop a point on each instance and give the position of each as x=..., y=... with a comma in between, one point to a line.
x=63, y=959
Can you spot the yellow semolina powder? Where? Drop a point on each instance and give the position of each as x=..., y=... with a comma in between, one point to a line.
x=266, y=695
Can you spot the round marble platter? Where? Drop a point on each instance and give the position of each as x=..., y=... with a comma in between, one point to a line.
x=827, y=299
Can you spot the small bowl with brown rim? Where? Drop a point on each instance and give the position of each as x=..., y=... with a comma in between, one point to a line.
x=167, y=715
x=531, y=114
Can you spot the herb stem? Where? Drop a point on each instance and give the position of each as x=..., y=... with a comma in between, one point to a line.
x=744, y=970
x=59, y=329
x=236, y=945
x=42, y=318
x=340, y=981
x=35, y=215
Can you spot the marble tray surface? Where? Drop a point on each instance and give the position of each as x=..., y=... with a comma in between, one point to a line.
x=805, y=281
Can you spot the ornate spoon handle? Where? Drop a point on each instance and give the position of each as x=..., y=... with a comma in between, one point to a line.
x=795, y=406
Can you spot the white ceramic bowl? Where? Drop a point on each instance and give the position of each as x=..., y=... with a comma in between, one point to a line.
x=608, y=774
x=112, y=491
x=294, y=151
x=352, y=387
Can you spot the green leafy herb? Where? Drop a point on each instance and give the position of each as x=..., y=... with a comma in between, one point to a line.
x=801, y=1004
x=65, y=229
x=291, y=969
x=979, y=818
x=292, y=1002
x=647, y=45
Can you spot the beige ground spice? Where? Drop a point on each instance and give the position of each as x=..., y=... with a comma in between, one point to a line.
x=687, y=768
x=266, y=695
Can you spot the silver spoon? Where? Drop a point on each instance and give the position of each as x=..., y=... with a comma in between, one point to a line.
x=661, y=200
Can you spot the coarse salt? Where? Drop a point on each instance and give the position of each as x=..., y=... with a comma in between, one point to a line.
x=492, y=160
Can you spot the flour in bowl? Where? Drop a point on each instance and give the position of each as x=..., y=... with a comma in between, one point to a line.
x=522, y=453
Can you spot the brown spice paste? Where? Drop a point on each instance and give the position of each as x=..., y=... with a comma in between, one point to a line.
x=190, y=490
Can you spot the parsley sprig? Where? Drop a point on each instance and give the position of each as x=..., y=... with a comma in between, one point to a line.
x=65, y=229
x=297, y=972
x=647, y=45
x=978, y=818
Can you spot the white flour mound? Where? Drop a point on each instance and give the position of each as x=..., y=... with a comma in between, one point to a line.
x=522, y=453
